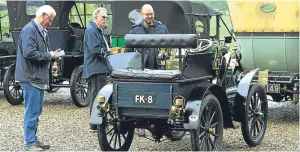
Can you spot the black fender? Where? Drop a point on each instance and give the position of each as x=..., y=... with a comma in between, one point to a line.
x=7, y=67
x=242, y=93
x=201, y=90
x=3, y=71
x=106, y=91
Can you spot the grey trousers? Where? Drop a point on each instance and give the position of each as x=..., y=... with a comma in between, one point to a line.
x=95, y=84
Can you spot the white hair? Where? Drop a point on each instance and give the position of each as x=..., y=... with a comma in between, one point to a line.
x=97, y=11
x=45, y=9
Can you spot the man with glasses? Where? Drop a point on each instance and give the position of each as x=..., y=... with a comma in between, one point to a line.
x=96, y=50
x=148, y=26
x=32, y=72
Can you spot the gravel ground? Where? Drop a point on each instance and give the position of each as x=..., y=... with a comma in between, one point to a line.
x=65, y=127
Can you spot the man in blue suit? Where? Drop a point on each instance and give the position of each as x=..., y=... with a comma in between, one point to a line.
x=32, y=72
x=96, y=49
x=148, y=26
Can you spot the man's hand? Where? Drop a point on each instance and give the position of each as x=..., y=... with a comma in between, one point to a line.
x=53, y=54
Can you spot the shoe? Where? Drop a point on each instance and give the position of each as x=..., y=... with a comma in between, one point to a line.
x=141, y=132
x=93, y=131
x=42, y=145
x=33, y=148
x=93, y=128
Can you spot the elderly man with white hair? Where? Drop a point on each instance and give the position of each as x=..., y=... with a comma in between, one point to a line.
x=96, y=49
x=32, y=72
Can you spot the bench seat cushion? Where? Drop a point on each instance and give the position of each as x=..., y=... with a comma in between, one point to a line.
x=146, y=74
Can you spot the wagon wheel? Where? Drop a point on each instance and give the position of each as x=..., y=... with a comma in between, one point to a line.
x=78, y=88
x=114, y=135
x=256, y=114
x=12, y=90
x=209, y=135
x=175, y=135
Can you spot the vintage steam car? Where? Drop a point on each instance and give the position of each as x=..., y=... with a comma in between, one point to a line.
x=204, y=96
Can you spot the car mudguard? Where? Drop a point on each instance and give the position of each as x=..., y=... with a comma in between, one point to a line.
x=193, y=122
x=196, y=98
x=242, y=93
x=245, y=83
x=106, y=91
x=7, y=67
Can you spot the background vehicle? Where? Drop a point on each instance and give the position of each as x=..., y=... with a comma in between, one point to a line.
x=268, y=33
x=65, y=33
x=7, y=47
x=203, y=96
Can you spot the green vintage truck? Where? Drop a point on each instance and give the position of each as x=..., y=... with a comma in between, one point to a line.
x=268, y=36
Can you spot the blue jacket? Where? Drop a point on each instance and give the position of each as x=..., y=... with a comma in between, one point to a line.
x=151, y=54
x=94, y=51
x=33, y=59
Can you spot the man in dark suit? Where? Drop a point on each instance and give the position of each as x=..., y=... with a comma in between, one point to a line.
x=148, y=26
x=32, y=72
x=96, y=49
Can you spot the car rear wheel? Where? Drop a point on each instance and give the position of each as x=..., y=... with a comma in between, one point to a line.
x=209, y=135
x=114, y=135
x=78, y=88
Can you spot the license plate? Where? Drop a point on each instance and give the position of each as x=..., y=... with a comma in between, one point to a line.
x=145, y=99
x=273, y=88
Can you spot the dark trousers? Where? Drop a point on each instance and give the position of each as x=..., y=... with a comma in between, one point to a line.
x=95, y=84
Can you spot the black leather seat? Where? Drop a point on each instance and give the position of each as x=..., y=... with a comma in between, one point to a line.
x=148, y=74
x=194, y=65
x=128, y=65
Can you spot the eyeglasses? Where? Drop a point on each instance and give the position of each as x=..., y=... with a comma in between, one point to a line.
x=50, y=20
x=103, y=17
x=148, y=14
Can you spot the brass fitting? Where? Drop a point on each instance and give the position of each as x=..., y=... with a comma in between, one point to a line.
x=178, y=102
x=55, y=74
x=101, y=99
x=175, y=110
x=169, y=65
x=211, y=130
x=105, y=107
